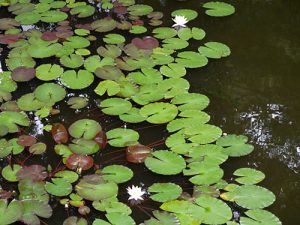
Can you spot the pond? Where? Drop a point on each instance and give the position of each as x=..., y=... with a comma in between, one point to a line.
x=252, y=92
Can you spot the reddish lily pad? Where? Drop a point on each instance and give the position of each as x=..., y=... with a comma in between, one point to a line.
x=137, y=153
x=59, y=133
x=78, y=161
x=33, y=172
x=147, y=42
x=26, y=140
x=23, y=74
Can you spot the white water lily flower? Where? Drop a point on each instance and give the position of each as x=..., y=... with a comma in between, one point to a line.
x=135, y=193
x=180, y=21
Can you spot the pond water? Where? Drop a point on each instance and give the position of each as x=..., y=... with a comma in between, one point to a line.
x=253, y=92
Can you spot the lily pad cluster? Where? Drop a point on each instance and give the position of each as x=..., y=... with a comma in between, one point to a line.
x=139, y=78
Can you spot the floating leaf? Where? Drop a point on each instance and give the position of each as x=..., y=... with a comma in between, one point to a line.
x=77, y=80
x=120, y=218
x=109, y=86
x=191, y=59
x=38, y=148
x=120, y=137
x=48, y=72
x=22, y=74
x=59, y=187
x=259, y=216
x=203, y=133
x=59, y=133
x=77, y=102
x=104, y=25
x=12, y=119
x=50, y=93
x=214, y=50
x=165, y=162
x=115, y=106
x=85, y=128
x=34, y=209
x=83, y=11
x=164, y=32
x=26, y=140
x=188, y=33
x=132, y=116
x=10, y=172
x=137, y=153
x=161, y=218
x=83, y=146
x=248, y=176
x=72, y=61
x=109, y=72
x=147, y=42
x=73, y=220
x=146, y=76
x=235, y=145
x=139, y=10
x=174, y=43
x=10, y=213
x=190, y=101
x=164, y=192
x=218, y=9
x=173, y=70
x=158, y=113
x=189, y=14
x=138, y=29
x=78, y=161
x=32, y=172
x=116, y=173
x=67, y=175
x=114, y=39
x=53, y=16
x=28, y=18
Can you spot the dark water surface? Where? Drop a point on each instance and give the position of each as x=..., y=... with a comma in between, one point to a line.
x=255, y=92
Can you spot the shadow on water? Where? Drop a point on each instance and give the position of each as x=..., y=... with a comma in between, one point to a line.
x=254, y=92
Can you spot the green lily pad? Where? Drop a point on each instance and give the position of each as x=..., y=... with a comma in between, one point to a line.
x=33, y=209
x=109, y=86
x=191, y=59
x=159, y=112
x=249, y=176
x=77, y=102
x=67, y=175
x=218, y=9
x=119, y=218
x=12, y=120
x=48, y=72
x=187, y=13
x=145, y=76
x=53, y=16
x=114, y=39
x=83, y=11
x=120, y=137
x=235, y=145
x=28, y=102
x=132, y=116
x=85, y=128
x=139, y=10
x=214, y=50
x=161, y=218
x=109, y=72
x=164, y=32
x=46, y=50
x=60, y=187
x=259, y=216
x=38, y=148
x=84, y=147
x=188, y=33
x=115, y=106
x=116, y=173
x=104, y=25
x=173, y=70
x=7, y=83
x=9, y=172
x=203, y=133
x=28, y=18
x=164, y=192
x=10, y=147
x=110, y=51
x=173, y=87
x=71, y=61
x=165, y=163
x=94, y=62
x=138, y=29
x=10, y=213
x=175, y=43
x=77, y=80
x=50, y=93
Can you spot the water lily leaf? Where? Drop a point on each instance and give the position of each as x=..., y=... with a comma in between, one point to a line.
x=137, y=29
x=115, y=106
x=8, y=23
x=48, y=72
x=73, y=220
x=9, y=172
x=173, y=70
x=34, y=209
x=214, y=50
x=216, y=211
x=94, y=188
x=164, y=192
x=189, y=14
x=28, y=102
x=6, y=82
x=109, y=86
x=161, y=218
x=259, y=216
x=114, y=39
x=82, y=32
x=127, y=2
x=94, y=62
x=11, y=212
x=164, y=32
x=147, y=43
x=77, y=102
x=49, y=93
x=12, y=119
x=190, y=101
x=67, y=175
x=218, y=9
x=83, y=146
x=235, y=145
x=137, y=153
x=77, y=80
x=104, y=25
x=203, y=133
x=110, y=51
x=28, y=18
x=116, y=173
x=53, y=16
x=60, y=187
x=22, y=74
x=250, y=196
x=43, y=50
x=79, y=162
x=120, y=137
x=248, y=176
x=82, y=52
x=108, y=72
x=188, y=33
x=147, y=95
x=146, y=76
x=84, y=128
x=32, y=172
x=174, y=43
x=165, y=163
x=83, y=11
x=132, y=116
x=38, y=148
x=119, y=218
x=182, y=123
x=71, y=61
x=139, y=10
x=77, y=42
x=11, y=146
x=191, y=59
x=159, y=112
x=174, y=86
x=205, y=173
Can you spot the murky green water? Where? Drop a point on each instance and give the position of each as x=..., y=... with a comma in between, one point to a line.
x=253, y=92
